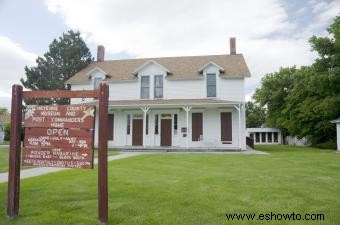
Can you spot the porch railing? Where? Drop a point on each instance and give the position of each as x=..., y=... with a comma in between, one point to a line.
x=250, y=142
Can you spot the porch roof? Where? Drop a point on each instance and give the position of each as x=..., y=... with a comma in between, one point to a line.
x=336, y=121
x=166, y=103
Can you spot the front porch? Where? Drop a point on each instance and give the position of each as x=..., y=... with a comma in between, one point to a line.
x=175, y=149
x=177, y=125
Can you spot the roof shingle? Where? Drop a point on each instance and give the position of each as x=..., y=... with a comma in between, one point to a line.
x=183, y=67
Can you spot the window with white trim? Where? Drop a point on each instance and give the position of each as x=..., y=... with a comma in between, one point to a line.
x=128, y=122
x=156, y=124
x=158, y=86
x=96, y=82
x=175, y=123
x=147, y=124
x=145, y=87
x=211, y=85
x=276, y=137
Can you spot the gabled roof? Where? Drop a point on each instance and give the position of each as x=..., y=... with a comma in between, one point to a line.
x=147, y=63
x=336, y=121
x=89, y=73
x=211, y=63
x=181, y=68
x=96, y=68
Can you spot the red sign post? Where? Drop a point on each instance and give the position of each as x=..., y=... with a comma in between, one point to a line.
x=58, y=136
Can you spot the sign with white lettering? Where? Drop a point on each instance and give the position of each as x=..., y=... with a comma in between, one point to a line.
x=59, y=136
x=60, y=116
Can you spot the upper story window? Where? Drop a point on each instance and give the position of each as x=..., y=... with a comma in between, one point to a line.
x=211, y=85
x=158, y=86
x=145, y=87
x=96, y=82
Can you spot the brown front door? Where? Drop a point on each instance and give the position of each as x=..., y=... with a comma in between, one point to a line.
x=137, y=132
x=110, y=127
x=197, y=126
x=166, y=135
x=226, y=128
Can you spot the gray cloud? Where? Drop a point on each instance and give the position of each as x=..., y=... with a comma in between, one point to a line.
x=265, y=34
x=12, y=61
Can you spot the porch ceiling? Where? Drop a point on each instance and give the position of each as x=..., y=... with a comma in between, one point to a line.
x=171, y=103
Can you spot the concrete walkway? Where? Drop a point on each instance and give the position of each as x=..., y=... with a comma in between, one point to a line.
x=26, y=173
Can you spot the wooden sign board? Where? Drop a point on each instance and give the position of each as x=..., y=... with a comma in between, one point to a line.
x=60, y=116
x=59, y=136
x=58, y=157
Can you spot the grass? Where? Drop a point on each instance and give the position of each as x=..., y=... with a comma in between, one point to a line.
x=189, y=189
x=287, y=149
x=4, y=159
x=4, y=143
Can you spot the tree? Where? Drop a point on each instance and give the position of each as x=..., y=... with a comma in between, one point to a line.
x=255, y=114
x=66, y=56
x=7, y=131
x=3, y=111
x=272, y=94
x=304, y=101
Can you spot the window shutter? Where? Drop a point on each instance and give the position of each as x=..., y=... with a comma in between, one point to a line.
x=110, y=127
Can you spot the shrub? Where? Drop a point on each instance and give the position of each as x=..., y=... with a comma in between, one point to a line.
x=331, y=144
x=7, y=130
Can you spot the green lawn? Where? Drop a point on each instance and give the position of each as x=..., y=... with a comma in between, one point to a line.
x=4, y=143
x=189, y=189
x=4, y=159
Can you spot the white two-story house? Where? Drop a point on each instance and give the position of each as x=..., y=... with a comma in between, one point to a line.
x=173, y=102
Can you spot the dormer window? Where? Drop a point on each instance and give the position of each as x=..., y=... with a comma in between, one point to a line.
x=145, y=87
x=211, y=85
x=96, y=82
x=158, y=86
x=97, y=75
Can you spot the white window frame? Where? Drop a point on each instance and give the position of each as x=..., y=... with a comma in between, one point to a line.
x=141, y=83
x=96, y=85
x=154, y=86
x=207, y=85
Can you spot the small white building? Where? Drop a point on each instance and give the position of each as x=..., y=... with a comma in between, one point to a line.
x=171, y=102
x=295, y=141
x=2, y=135
x=337, y=122
x=265, y=135
x=4, y=118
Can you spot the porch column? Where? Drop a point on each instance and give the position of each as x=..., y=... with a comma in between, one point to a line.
x=239, y=124
x=145, y=110
x=338, y=136
x=187, y=110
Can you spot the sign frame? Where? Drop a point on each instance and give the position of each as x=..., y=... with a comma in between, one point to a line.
x=13, y=192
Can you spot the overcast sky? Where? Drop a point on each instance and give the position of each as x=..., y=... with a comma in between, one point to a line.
x=270, y=33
